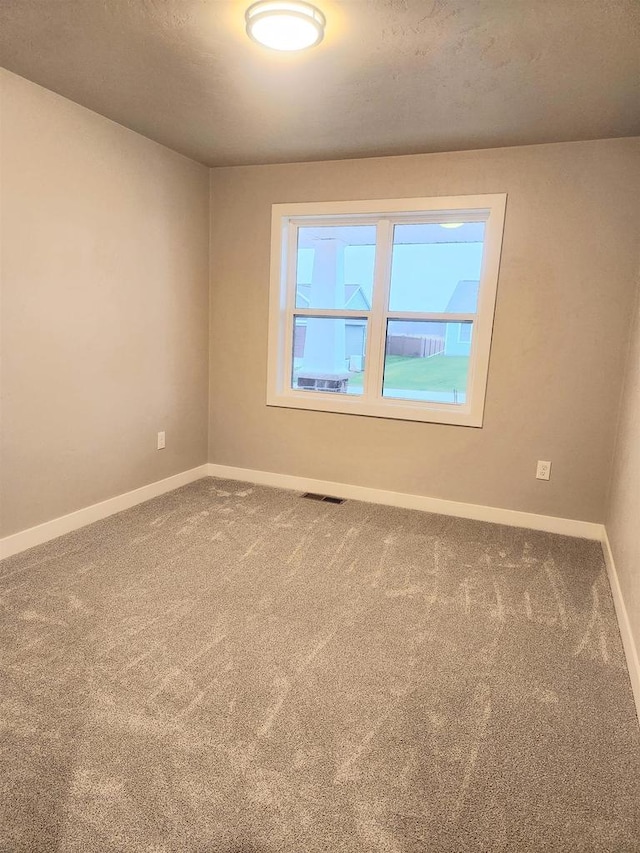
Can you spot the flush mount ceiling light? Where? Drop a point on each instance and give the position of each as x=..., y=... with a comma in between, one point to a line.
x=285, y=24
x=451, y=224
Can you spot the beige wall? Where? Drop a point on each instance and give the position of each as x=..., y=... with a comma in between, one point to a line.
x=562, y=318
x=104, y=307
x=104, y=321
x=623, y=516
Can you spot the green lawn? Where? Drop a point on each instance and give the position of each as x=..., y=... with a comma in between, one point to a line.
x=438, y=373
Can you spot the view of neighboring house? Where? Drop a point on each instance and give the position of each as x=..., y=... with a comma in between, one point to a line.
x=355, y=300
x=435, y=271
x=455, y=337
x=463, y=301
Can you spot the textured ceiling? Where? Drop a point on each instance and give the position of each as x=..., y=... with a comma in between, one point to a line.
x=391, y=77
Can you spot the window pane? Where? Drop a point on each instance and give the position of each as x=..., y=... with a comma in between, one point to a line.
x=335, y=266
x=329, y=354
x=427, y=361
x=436, y=268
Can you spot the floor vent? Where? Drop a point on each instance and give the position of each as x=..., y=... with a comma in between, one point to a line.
x=311, y=496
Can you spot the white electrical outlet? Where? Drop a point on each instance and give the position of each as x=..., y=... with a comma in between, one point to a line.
x=162, y=442
x=543, y=471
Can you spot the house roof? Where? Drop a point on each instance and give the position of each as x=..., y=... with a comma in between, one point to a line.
x=464, y=298
x=354, y=296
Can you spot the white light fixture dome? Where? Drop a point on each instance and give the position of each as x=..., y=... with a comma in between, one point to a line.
x=451, y=224
x=285, y=24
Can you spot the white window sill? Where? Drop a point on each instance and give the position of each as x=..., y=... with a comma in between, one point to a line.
x=405, y=410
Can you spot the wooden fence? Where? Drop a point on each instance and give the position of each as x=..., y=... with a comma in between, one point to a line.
x=415, y=346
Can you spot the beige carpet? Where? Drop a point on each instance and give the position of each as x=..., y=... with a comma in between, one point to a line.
x=234, y=668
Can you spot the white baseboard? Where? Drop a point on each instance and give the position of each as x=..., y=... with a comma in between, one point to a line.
x=66, y=523
x=551, y=524
x=24, y=539
x=630, y=650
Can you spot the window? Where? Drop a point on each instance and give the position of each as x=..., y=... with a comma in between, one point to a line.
x=385, y=308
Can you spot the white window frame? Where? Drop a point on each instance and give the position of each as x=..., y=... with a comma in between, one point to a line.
x=384, y=213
